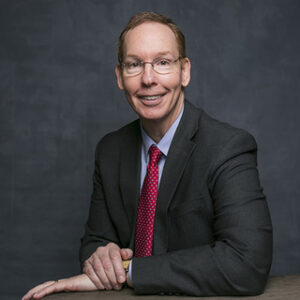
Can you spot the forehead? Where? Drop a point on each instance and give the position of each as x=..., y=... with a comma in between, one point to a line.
x=149, y=39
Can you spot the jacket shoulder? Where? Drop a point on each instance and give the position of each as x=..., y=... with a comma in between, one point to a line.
x=208, y=128
x=111, y=142
x=215, y=133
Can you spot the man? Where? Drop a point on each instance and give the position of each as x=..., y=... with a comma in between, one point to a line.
x=192, y=220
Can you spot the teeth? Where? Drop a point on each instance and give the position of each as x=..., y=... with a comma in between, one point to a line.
x=151, y=97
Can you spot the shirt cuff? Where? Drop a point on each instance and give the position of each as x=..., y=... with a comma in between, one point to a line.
x=129, y=271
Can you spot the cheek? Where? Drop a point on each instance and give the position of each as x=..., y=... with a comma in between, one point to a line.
x=130, y=86
x=172, y=82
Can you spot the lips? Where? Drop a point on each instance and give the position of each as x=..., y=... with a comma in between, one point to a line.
x=151, y=100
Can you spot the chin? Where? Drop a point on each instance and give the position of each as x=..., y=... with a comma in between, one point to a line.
x=151, y=113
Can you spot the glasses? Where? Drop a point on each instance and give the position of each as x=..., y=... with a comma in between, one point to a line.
x=160, y=66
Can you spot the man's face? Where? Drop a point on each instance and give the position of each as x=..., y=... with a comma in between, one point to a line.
x=154, y=96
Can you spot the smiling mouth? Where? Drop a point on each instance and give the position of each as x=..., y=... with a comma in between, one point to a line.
x=151, y=98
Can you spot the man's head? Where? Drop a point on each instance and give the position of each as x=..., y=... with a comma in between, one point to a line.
x=153, y=68
x=144, y=17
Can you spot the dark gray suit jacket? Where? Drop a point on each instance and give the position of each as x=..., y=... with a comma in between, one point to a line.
x=212, y=233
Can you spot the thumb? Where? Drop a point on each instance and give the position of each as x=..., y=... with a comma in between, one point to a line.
x=126, y=253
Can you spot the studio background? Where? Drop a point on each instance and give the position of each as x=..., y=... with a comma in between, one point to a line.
x=58, y=97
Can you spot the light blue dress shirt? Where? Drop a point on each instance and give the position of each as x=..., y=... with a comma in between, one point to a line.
x=163, y=145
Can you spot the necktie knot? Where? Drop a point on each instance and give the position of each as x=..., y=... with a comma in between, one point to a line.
x=154, y=154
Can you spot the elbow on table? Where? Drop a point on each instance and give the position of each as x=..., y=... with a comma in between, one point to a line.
x=249, y=274
x=253, y=289
x=251, y=283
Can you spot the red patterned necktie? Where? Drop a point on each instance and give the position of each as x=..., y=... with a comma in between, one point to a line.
x=147, y=205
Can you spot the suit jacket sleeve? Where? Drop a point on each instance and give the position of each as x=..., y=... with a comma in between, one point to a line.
x=99, y=229
x=238, y=260
x=115, y=193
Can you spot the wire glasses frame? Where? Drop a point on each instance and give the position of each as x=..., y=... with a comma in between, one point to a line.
x=160, y=66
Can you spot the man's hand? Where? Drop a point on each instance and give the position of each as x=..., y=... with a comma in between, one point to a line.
x=105, y=268
x=72, y=284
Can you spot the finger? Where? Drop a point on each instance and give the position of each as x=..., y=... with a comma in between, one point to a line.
x=126, y=253
x=103, y=266
x=90, y=272
x=100, y=271
x=116, y=259
x=94, y=270
x=34, y=290
x=106, y=270
x=57, y=286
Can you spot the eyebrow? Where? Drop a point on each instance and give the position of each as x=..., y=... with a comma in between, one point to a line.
x=157, y=55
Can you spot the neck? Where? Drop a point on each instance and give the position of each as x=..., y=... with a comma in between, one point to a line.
x=156, y=129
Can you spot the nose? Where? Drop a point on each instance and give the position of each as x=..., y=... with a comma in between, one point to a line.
x=148, y=76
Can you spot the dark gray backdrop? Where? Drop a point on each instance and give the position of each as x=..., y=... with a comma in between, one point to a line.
x=58, y=97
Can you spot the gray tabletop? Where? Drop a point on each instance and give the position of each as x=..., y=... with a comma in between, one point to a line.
x=282, y=287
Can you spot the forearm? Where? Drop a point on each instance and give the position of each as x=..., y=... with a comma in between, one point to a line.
x=204, y=271
x=100, y=228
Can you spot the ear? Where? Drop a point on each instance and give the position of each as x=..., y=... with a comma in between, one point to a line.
x=186, y=72
x=118, y=72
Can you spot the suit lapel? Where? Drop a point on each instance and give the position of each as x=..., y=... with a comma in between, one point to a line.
x=130, y=169
x=181, y=149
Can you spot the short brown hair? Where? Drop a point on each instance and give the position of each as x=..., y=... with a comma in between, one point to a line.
x=143, y=17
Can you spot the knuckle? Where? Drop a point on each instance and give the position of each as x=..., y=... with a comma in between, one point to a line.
x=87, y=270
x=115, y=256
x=107, y=266
x=97, y=267
x=99, y=250
x=112, y=246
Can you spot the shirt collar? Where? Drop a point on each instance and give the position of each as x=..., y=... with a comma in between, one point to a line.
x=165, y=143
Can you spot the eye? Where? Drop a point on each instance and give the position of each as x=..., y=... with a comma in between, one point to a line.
x=163, y=62
x=133, y=64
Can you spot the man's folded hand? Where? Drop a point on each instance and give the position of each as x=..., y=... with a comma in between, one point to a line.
x=104, y=267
